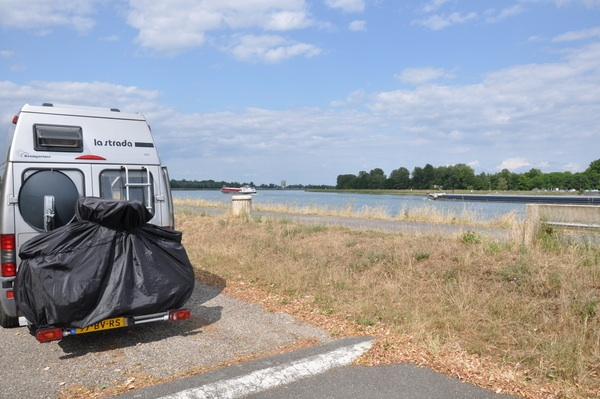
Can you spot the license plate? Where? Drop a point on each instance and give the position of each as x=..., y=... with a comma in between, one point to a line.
x=107, y=324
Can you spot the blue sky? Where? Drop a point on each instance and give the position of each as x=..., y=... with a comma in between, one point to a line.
x=303, y=91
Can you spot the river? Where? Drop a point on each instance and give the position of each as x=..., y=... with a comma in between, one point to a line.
x=392, y=204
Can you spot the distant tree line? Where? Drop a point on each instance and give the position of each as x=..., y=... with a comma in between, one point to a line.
x=463, y=177
x=201, y=185
x=215, y=185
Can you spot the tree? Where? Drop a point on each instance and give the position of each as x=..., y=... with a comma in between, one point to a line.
x=511, y=180
x=593, y=175
x=345, y=182
x=399, y=179
x=418, y=178
x=428, y=176
x=377, y=179
x=483, y=181
x=363, y=180
x=594, y=167
x=524, y=183
x=463, y=176
x=533, y=173
x=502, y=184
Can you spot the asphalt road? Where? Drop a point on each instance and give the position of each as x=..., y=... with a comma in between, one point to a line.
x=323, y=371
x=390, y=226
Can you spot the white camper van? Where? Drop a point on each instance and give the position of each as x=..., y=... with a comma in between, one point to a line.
x=54, y=155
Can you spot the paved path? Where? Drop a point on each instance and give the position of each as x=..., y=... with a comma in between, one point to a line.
x=391, y=226
x=323, y=371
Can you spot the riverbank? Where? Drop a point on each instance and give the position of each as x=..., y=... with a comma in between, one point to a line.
x=425, y=193
x=464, y=304
x=424, y=211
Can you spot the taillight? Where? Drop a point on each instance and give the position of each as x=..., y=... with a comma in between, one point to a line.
x=49, y=334
x=8, y=266
x=181, y=314
x=8, y=269
x=10, y=295
x=15, y=119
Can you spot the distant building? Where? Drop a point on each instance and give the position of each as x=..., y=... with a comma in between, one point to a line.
x=283, y=184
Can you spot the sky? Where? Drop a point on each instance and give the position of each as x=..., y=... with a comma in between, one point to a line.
x=303, y=91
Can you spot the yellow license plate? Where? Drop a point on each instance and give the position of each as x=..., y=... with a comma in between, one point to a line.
x=107, y=324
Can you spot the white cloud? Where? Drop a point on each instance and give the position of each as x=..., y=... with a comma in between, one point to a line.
x=172, y=26
x=356, y=97
x=42, y=15
x=347, y=5
x=586, y=3
x=94, y=94
x=573, y=167
x=585, y=34
x=438, y=22
x=434, y=5
x=505, y=13
x=357, y=26
x=286, y=20
x=416, y=76
x=526, y=109
x=6, y=53
x=513, y=164
x=534, y=115
x=473, y=164
x=270, y=49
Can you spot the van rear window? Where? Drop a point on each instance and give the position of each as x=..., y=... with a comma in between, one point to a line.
x=58, y=138
x=129, y=185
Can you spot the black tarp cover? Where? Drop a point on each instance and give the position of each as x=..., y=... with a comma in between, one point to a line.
x=109, y=262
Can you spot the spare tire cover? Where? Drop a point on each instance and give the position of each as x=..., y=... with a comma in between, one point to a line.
x=40, y=184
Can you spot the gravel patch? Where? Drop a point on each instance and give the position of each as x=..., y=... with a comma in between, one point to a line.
x=221, y=329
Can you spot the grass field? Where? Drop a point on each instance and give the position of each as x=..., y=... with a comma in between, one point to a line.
x=514, y=319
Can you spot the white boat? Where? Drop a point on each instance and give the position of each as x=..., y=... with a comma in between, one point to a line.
x=246, y=189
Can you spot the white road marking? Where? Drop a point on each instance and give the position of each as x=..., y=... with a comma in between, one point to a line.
x=271, y=377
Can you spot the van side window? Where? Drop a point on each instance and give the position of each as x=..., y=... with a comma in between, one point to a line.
x=131, y=185
x=57, y=138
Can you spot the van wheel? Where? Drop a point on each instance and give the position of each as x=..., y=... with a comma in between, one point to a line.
x=7, y=321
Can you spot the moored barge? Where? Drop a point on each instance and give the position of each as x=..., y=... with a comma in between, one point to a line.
x=524, y=198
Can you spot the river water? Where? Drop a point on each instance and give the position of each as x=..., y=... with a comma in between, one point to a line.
x=393, y=205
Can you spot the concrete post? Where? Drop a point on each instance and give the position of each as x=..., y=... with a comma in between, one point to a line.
x=532, y=223
x=241, y=204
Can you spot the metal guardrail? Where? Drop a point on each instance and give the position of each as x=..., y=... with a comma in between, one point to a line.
x=585, y=226
x=577, y=219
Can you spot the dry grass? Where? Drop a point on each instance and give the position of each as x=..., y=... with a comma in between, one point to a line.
x=425, y=213
x=523, y=321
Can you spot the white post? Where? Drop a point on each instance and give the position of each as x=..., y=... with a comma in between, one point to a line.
x=241, y=204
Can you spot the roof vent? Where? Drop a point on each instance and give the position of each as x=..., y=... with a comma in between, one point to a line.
x=115, y=110
x=48, y=105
